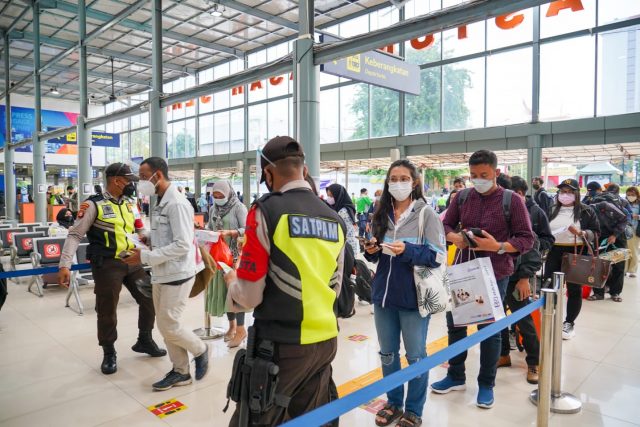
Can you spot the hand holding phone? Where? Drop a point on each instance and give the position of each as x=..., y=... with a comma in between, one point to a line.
x=125, y=254
x=477, y=232
x=468, y=240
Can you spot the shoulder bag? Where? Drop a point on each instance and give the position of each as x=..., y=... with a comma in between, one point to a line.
x=587, y=270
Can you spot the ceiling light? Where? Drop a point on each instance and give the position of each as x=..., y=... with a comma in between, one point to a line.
x=215, y=11
x=54, y=91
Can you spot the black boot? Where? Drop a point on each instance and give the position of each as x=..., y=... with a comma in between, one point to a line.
x=146, y=344
x=109, y=365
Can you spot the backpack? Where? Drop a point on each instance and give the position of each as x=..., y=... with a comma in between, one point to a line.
x=364, y=279
x=347, y=299
x=506, y=202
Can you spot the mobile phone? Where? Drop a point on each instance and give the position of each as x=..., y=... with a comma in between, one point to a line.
x=476, y=232
x=468, y=240
x=125, y=254
x=516, y=295
x=225, y=268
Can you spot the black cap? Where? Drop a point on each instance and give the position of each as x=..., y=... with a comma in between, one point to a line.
x=279, y=148
x=121, y=169
x=594, y=185
x=571, y=183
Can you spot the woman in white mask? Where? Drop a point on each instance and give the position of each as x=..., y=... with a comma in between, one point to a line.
x=396, y=248
x=229, y=217
x=571, y=223
x=339, y=200
x=633, y=197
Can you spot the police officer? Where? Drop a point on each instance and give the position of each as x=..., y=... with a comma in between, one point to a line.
x=106, y=219
x=291, y=271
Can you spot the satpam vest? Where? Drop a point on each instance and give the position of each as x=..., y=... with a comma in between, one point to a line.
x=108, y=233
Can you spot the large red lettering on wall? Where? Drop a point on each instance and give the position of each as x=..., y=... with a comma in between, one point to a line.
x=510, y=21
x=255, y=85
x=422, y=43
x=557, y=6
x=275, y=81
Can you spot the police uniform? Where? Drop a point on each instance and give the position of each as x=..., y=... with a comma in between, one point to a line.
x=106, y=221
x=291, y=271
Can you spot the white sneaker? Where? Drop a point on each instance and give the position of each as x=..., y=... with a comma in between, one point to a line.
x=371, y=308
x=568, y=331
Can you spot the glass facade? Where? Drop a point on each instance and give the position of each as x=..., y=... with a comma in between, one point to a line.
x=480, y=75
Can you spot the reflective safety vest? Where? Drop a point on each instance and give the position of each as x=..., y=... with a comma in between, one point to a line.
x=108, y=233
x=299, y=301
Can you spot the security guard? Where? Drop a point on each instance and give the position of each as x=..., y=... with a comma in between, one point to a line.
x=290, y=271
x=106, y=219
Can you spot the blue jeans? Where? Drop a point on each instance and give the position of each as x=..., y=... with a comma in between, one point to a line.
x=390, y=324
x=489, y=349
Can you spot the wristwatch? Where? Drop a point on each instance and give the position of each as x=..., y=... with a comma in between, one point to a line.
x=501, y=250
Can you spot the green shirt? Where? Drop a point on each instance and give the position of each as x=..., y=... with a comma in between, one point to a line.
x=363, y=203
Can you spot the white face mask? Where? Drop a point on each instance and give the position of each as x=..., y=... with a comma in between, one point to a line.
x=145, y=187
x=331, y=200
x=221, y=202
x=632, y=198
x=482, y=185
x=400, y=190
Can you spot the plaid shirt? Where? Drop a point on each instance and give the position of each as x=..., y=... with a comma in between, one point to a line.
x=486, y=213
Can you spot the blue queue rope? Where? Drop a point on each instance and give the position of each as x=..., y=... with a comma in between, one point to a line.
x=333, y=410
x=39, y=271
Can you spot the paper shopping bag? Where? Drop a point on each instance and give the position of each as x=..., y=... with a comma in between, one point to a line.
x=475, y=297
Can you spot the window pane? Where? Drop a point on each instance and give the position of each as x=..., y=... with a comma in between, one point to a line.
x=420, y=7
x=464, y=40
x=512, y=29
x=124, y=146
x=221, y=133
x=206, y=135
x=424, y=49
x=235, y=67
x=237, y=130
x=355, y=27
x=509, y=77
x=422, y=112
x=619, y=71
x=140, y=143
x=144, y=119
x=329, y=114
x=190, y=138
x=278, y=118
x=278, y=86
x=385, y=112
x=221, y=99
x=354, y=112
x=135, y=121
x=206, y=103
x=463, y=95
x=619, y=10
x=257, y=90
x=554, y=21
x=257, y=126
x=567, y=79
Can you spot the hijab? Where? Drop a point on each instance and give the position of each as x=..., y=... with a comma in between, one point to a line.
x=63, y=220
x=220, y=212
x=342, y=200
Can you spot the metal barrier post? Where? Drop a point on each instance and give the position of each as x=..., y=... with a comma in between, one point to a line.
x=542, y=396
x=561, y=403
x=208, y=333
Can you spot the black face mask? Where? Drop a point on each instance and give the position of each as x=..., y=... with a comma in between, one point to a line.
x=129, y=190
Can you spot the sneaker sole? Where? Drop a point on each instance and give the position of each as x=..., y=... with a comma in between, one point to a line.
x=485, y=405
x=567, y=337
x=450, y=389
x=181, y=383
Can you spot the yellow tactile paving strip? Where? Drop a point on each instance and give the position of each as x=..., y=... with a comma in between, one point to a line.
x=376, y=374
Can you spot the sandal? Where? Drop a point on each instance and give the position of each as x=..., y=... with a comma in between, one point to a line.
x=616, y=298
x=595, y=297
x=389, y=414
x=409, y=420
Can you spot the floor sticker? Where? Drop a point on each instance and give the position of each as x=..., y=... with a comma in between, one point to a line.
x=164, y=409
x=358, y=338
x=374, y=406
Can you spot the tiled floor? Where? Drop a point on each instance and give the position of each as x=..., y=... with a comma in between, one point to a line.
x=49, y=370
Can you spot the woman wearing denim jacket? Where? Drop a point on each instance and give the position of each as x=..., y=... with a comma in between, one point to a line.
x=396, y=249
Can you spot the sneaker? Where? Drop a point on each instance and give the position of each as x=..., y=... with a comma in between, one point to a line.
x=504, y=361
x=485, y=397
x=202, y=364
x=568, y=331
x=513, y=344
x=532, y=374
x=172, y=379
x=632, y=274
x=447, y=384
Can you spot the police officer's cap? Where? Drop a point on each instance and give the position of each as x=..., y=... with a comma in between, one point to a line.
x=593, y=185
x=571, y=183
x=279, y=148
x=121, y=169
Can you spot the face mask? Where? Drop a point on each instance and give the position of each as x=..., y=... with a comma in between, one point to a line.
x=146, y=187
x=400, y=190
x=129, y=190
x=566, y=199
x=632, y=198
x=221, y=202
x=331, y=200
x=482, y=185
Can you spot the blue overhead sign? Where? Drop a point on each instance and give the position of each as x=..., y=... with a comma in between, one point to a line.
x=377, y=69
x=98, y=139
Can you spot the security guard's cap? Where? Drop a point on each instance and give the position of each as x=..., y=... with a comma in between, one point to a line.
x=279, y=148
x=121, y=169
x=571, y=183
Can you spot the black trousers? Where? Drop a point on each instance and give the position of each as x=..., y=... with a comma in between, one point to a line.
x=574, y=291
x=109, y=278
x=615, y=282
x=527, y=328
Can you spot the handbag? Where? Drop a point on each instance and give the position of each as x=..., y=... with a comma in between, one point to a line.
x=432, y=284
x=586, y=270
x=220, y=252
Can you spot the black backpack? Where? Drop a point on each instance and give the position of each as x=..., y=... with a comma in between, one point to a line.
x=347, y=299
x=364, y=279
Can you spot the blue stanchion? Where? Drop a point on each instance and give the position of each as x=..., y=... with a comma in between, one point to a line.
x=333, y=410
x=39, y=271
